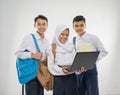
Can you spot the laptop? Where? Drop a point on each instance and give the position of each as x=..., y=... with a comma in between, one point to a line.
x=84, y=59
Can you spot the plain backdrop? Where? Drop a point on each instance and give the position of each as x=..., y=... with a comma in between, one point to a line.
x=17, y=20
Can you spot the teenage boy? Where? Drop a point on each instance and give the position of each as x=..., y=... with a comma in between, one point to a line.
x=87, y=82
x=33, y=87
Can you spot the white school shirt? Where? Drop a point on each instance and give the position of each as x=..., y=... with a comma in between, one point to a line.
x=61, y=59
x=89, y=42
x=28, y=44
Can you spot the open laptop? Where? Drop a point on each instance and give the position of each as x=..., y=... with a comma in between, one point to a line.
x=84, y=59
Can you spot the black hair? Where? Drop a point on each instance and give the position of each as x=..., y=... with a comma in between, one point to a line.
x=79, y=18
x=40, y=17
x=67, y=29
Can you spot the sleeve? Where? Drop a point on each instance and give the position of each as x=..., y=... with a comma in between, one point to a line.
x=52, y=66
x=99, y=47
x=24, y=46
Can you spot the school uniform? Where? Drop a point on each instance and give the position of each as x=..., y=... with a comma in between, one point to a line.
x=64, y=84
x=33, y=87
x=87, y=82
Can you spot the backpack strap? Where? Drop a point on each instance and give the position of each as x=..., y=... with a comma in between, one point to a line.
x=35, y=41
x=23, y=89
x=74, y=42
x=53, y=50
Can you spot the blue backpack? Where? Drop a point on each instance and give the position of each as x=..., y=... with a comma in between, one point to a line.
x=27, y=69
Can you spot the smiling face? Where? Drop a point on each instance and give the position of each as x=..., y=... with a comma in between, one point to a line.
x=79, y=27
x=63, y=37
x=41, y=25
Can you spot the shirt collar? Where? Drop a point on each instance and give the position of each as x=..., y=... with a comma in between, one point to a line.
x=38, y=37
x=82, y=37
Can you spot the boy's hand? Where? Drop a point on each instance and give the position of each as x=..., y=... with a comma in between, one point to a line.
x=37, y=55
x=65, y=70
x=82, y=69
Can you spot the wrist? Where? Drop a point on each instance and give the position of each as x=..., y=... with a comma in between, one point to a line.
x=32, y=55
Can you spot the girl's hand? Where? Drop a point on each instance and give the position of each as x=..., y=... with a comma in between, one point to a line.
x=65, y=70
x=37, y=55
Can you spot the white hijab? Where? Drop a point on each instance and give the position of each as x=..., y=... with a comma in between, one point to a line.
x=66, y=47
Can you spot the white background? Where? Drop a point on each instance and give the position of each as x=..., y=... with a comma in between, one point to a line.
x=17, y=20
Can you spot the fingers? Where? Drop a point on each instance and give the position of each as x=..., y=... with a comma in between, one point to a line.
x=41, y=54
x=37, y=55
x=82, y=69
x=65, y=70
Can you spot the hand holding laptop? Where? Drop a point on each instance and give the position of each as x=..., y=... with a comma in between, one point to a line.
x=66, y=71
x=82, y=69
x=81, y=60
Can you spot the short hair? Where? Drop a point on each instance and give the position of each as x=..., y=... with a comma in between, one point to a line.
x=40, y=17
x=79, y=18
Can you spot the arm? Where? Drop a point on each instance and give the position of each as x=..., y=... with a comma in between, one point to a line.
x=25, y=45
x=99, y=47
x=53, y=67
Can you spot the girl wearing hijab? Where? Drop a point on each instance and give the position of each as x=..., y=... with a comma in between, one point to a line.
x=65, y=81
